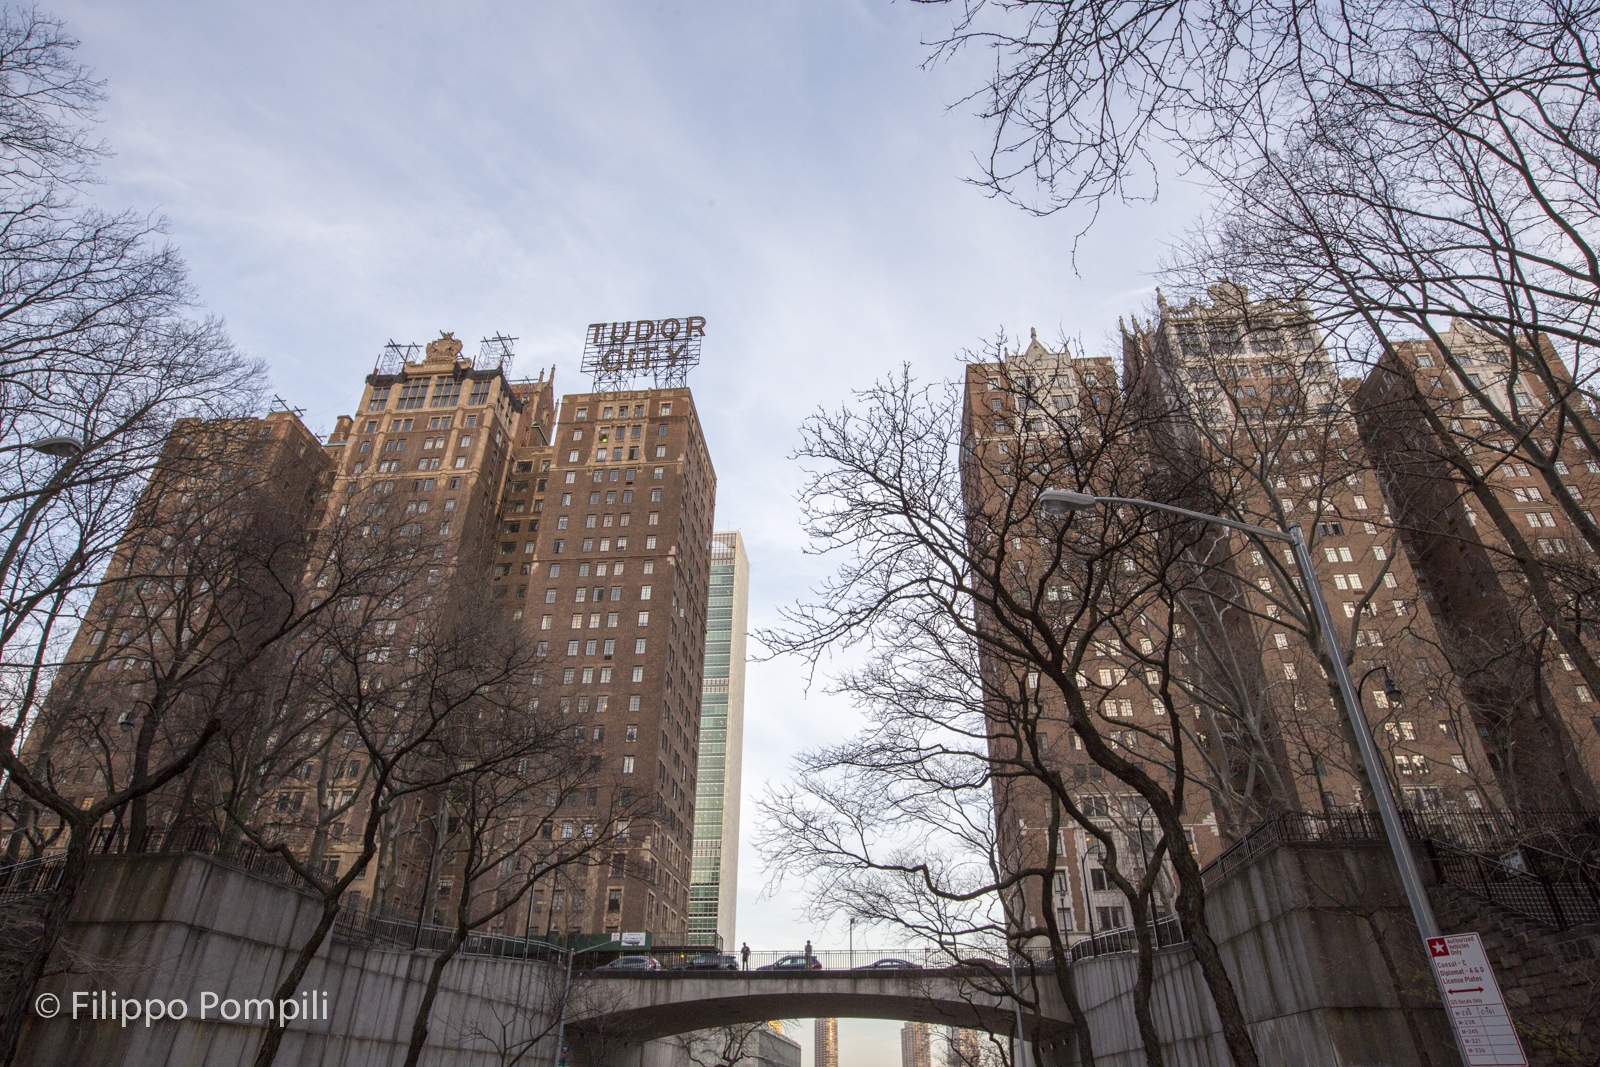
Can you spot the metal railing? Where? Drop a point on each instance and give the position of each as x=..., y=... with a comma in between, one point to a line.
x=1477, y=831
x=1168, y=932
x=204, y=840
x=369, y=924
x=1548, y=888
x=30, y=878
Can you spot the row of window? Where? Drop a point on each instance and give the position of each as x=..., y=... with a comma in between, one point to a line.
x=588, y=544
x=648, y=566
x=614, y=455
x=594, y=620
x=414, y=394
x=594, y=646
x=611, y=476
x=622, y=412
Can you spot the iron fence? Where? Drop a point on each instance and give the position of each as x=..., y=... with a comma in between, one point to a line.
x=29, y=878
x=1551, y=889
x=1477, y=831
x=1167, y=933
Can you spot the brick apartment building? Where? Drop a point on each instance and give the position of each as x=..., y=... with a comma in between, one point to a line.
x=589, y=529
x=1477, y=520
x=1232, y=405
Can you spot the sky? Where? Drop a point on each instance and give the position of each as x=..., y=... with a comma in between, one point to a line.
x=342, y=175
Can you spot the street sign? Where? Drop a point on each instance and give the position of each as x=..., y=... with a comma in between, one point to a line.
x=1472, y=999
x=633, y=940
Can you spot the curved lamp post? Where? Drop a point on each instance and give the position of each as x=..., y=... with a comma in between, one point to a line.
x=61, y=447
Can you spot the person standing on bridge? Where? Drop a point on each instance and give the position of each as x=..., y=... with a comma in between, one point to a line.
x=744, y=955
x=808, y=953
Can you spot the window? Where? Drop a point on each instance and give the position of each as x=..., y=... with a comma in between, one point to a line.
x=644, y=618
x=638, y=646
x=627, y=764
x=445, y=394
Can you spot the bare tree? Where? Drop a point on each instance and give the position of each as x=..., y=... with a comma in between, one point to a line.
x=941, y=578
x=1392, y=166
x=722, y=1046
x=500, y=816
x=425, y=684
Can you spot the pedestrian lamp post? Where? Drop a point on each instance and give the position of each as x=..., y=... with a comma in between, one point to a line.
x=1060, y=501
x=566, y=985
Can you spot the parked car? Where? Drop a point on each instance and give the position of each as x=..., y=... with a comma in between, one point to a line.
x=711, y=961
x=890, y=963
x=981, y=963
x=793, y=963
x=631, y=963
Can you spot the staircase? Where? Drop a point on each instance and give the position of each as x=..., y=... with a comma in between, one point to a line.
x=1539, y=917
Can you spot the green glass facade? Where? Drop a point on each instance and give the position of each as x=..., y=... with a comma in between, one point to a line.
x=714, y=877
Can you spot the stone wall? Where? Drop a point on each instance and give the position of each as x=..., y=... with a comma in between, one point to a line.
x=1325, y=959
x=1550, y=978
x=178, y=926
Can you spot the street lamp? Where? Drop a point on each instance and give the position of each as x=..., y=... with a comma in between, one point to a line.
x=561, y=1019
x=59, y=447
x=1061, y=501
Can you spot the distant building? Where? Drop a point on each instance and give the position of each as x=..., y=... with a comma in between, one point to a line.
x=826, y=1053
x=714, y=879
x=773, y=1048
x=915, y=1046
x=963, y=1048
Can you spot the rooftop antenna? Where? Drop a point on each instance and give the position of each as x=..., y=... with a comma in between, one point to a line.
x=283, y=405
x=395, y=356
x=497, y=351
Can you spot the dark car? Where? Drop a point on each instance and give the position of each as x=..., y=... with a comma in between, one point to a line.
x=890, y=963
x=793, y=963
x=631, y=963
x=711, y=961
x=982, y=964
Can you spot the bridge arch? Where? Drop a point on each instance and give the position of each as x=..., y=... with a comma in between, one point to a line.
x=650, y=1006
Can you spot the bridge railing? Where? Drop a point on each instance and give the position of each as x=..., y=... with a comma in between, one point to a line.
x=846, y=959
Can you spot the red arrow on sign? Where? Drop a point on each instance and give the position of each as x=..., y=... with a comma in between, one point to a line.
x=1475, y=989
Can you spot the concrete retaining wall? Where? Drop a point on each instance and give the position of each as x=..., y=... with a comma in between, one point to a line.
x=182, y=925
x=1325, y=959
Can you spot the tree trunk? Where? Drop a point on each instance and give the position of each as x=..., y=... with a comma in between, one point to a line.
x=1192, y=910
x=419, y=1024
x=273, y=1036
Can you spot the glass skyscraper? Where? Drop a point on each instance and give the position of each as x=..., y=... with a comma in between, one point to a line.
x=714, y=878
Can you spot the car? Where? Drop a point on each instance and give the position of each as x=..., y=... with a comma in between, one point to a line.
x=631, y=963
x=710, y=961
x=794, y=963
x=981, y=963
x=890, y=963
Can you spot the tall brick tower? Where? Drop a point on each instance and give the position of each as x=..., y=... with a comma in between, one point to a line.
x=612, y=566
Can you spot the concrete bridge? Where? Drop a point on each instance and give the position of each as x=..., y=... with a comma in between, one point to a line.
x=637, y=1006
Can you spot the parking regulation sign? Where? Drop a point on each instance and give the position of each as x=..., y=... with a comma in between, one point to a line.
x=1472, y=999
